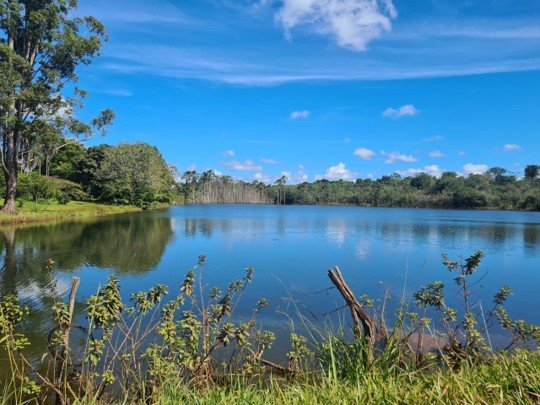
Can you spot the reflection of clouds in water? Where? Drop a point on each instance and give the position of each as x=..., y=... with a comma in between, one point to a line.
x=244, y=228
x=37, y=293
x=362, y=250
x=336, y=231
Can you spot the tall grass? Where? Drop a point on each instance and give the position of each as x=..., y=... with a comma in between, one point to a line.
x=505, y=379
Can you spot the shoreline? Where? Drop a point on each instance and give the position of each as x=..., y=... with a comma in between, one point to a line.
x=31, y=212
x=368, y=206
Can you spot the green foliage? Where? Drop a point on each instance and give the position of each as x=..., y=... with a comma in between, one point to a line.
x=496, y=189
x=135, y=174
x=33, y=186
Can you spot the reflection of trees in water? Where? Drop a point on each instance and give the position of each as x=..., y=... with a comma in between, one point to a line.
x=126, y=244
x=405, y=233
x=531, y=236
x=208, y=226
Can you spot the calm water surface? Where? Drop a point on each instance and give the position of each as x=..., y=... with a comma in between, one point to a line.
x=291, y=248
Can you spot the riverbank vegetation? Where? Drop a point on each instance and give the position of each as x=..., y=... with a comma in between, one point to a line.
x=193, y=347
x=30, y=211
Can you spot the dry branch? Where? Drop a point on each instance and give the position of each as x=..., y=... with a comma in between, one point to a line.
x=363, y=324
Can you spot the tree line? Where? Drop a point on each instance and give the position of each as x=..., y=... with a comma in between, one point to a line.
x=495, y=189
x=209, y=188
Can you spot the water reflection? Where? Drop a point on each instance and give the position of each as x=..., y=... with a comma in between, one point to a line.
x=290, y=247
x=125, y=245
x=397, y=233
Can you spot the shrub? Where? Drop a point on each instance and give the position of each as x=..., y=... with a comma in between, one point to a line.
x=33, y=186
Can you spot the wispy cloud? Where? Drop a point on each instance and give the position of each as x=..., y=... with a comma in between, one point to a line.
x=229, y=153
x=364, y=153
x=269, y=161
x=471, y=168
x=116, y=13
x=436, y=47
x=300, y=114
x=436, y=154
x=352, y=23
x=117, y=92
x=434, y=138
x=338, y=172
x=407, y=110
x=512, y=147
x=248, y=165
x=392, y=157
x=231, y=68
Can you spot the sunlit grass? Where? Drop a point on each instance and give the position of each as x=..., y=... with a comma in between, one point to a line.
x=504, y=379
x=30, y=211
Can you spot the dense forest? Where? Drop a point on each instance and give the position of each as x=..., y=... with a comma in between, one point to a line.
x=495, y=189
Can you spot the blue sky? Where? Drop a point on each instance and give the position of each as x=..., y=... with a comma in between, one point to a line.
x=322, y=88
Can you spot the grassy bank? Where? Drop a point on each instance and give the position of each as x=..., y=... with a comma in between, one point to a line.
x=506, y=379
x=29, y=211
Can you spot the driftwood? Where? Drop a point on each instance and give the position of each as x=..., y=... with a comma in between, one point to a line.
x=363, y=324
x=278, y=367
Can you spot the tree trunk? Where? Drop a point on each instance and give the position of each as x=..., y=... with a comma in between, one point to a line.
x=11, y=189
x=10, y=173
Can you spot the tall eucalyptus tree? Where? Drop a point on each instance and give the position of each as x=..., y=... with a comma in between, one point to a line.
x=42, y=44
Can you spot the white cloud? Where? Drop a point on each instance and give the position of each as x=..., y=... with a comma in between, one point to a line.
x=263, y=177
x=407, y=110
x=436, y=154
x=364, y=153
x=248, y=166
x=433, y=170
x=511, y=147
x=117, y=92
x=299, y=177
x=300, y=114
x=462, y=153
x=352, y=23
x=392, y=157
x=301, y=174
x=471, y=168
x=269, y=161
x=229, y=152
x=338, y=172
x=434, y=138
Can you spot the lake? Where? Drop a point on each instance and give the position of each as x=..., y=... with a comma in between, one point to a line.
x=290, y=247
